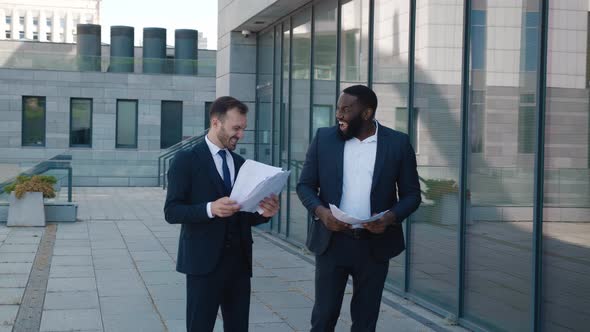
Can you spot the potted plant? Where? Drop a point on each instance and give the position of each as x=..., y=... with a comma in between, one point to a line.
x=26, y=199
x=444, y=194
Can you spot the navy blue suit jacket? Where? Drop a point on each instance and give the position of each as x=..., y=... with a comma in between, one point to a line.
x=193, y=181
x=395, y=186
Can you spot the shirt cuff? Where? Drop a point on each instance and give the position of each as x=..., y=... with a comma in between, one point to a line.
x=209, y=213
x=260, y=210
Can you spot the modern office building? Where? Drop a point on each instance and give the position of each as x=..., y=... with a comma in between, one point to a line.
x=114, y=108
x=495, y=97
x=47, y=20
x=202, y=41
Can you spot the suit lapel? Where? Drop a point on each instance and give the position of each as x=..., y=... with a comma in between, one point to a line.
x=339, y=157
x=202, y=150
x=380, y=156
x=237, y=164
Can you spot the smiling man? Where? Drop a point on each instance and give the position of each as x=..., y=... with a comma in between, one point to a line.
x=364, y=168
x=215, y=247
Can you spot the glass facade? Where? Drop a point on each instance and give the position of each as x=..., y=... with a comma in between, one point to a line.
x=496, y=100
x=565, y=289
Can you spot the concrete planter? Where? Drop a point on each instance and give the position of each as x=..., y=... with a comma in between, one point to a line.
x=27, y=211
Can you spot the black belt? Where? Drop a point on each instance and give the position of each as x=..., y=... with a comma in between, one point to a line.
x=357, y=233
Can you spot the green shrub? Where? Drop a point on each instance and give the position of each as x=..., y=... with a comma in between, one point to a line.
x=437, y=188
x=36, y=183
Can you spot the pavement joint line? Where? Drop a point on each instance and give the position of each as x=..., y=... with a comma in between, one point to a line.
x=152, y=301
x=30, y=310
x=94, y=272
x=290, y=248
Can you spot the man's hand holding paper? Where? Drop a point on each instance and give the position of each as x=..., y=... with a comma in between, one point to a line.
x=269, y=206
x=375, y=224
x=257, y=186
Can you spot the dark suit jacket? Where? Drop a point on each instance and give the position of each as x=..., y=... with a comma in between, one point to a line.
x=193, y=181
x=394, y=174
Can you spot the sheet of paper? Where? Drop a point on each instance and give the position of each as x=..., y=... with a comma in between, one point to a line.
x=272, y=185
x=344, y=217
x=256, y=181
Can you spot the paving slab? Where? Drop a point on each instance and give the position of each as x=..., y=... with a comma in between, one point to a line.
x=119, y=274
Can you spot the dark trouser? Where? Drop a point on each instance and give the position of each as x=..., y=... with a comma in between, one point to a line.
x=227, y=286
x=348, y=256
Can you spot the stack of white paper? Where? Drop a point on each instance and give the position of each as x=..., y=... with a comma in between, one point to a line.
x=256, y=181
x=356, y=222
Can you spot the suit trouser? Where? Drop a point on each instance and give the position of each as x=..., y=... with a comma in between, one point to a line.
x=345, y=257
x=228, y=287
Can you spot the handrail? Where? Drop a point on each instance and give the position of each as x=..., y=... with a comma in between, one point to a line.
x=164, y=158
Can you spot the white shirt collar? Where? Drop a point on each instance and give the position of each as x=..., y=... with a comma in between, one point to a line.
x=212, y=147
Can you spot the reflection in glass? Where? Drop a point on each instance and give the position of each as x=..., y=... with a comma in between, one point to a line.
x=390, y=82
x=498, y=270
x=171, y=123
x=33, y=133
x=126, y=124
x=354, y=43
x=285, y=123
x=437, y=91
x=566, y=214
x=81, y=122
x=324, y=64
x=300, y=116
x=277, y=120
x=264, y=90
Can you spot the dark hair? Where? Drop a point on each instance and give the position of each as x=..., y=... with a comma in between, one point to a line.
x=223, y=104
x=365, y=96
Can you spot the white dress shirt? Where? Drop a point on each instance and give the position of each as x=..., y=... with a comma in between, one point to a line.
x=219, y=165
x=357, y=176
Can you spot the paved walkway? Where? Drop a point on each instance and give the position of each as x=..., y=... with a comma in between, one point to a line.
x=114, y=271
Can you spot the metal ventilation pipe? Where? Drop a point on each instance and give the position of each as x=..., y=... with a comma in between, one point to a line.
x=186, y=46
x=154, y=50
x=88, y=47
x=122, y=52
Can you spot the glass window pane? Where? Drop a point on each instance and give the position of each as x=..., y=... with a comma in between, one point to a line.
x=277, y=113
x=284, y=128
x=354, y=39
x=500, y=180
x=264, y=90
x=171, y=124
x=324, y=66
x=300, y=119
x=81, y=122
x=126, y=123
x=33, y=133
x=437, y=96
x=566, y=213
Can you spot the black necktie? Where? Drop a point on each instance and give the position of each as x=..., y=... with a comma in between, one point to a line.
x=226, y=175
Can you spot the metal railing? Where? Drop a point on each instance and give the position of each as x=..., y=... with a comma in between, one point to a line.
x=165, y=158
x=26, y=59
x=59, y=162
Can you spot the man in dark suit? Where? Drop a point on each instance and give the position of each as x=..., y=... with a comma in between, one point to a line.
x=361, y=167
x=215, y=248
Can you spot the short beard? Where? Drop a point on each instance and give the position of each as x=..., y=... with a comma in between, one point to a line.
x=354, y=127
x=224, y=139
